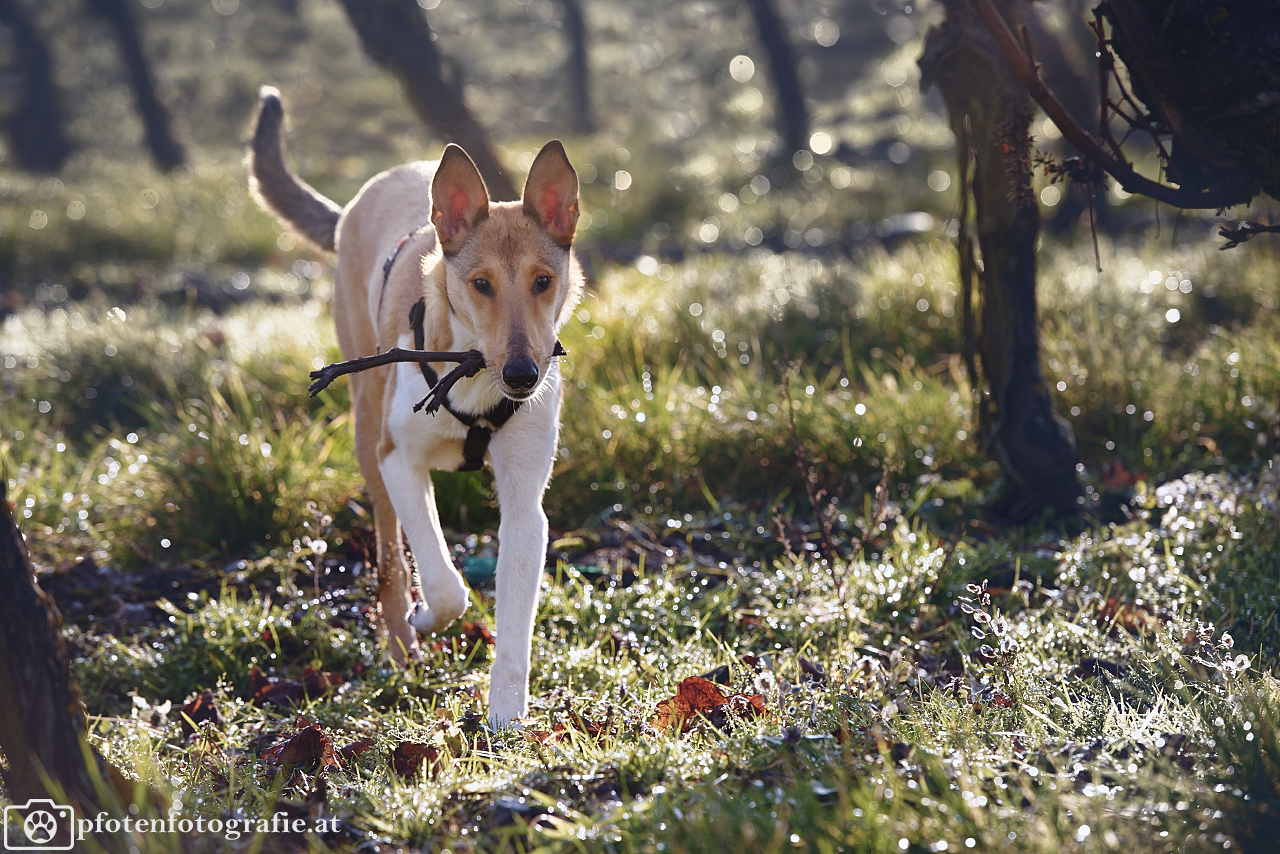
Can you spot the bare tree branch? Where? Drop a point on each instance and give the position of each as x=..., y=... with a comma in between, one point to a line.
x=1130, y=180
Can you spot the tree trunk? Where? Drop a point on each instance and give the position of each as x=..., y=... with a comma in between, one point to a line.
x=37, y=133
x=165, y=150
x=575, y=27
x=792, y=114
x=990, y=114
x=42, y=722
x=396, y=36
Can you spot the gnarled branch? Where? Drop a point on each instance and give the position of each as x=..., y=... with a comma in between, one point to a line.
x=1117, y=168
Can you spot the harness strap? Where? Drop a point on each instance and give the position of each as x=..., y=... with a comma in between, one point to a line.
x=480, y=428
x=390, y=262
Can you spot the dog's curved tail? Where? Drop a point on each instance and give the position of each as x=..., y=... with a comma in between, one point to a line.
x=275, y=185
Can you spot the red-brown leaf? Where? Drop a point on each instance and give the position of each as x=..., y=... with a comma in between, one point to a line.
x=754, y=701
x=354, y=749
x=477, y=633
x=197, y=710
x=409, y=757
x=266, y=690
x=470, y=635
x=306, y=748
x=577, y=723
x=1136, y=619
x=694, y=696
x=1116, y=476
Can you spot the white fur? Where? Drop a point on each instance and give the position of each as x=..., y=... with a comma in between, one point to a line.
x=521, y=454
x=398, y=448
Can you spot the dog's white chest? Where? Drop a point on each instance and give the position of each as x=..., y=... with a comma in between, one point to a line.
x=435, y=441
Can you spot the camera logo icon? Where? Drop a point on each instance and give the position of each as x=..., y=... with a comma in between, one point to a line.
x=38, y=825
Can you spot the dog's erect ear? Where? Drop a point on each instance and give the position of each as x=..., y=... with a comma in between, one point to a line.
x=459, y=199
x=551, y=193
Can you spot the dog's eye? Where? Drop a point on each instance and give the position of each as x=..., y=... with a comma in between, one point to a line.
x=483, y=286
x=541, y=283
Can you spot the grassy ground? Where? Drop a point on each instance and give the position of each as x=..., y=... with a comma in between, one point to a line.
x=196, y=516
x=1122, y=698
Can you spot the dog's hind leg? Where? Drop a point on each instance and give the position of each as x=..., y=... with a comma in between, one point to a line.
x=394, y=600
x=442, y=586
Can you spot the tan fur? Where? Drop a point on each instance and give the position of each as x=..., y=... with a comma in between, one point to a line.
x=507, y=244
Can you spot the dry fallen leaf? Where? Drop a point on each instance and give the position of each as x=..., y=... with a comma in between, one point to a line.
x=477, y=633
x=266, y=690
x=577, y=723
x=354, y=749
x=470, y=636
x=197, y=710
x=409, y=757
x=696, y=696
x=306, y=749
x=1136, y=619
x=1116, y=476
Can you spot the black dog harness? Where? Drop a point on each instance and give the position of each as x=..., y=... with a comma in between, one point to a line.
x=481, y=427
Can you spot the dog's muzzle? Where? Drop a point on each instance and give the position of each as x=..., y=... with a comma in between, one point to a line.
x=520, y=375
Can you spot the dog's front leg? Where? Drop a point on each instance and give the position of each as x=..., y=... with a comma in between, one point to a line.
x=521, y=466
x=411, y=491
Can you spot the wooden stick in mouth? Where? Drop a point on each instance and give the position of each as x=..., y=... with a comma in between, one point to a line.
x=471, y=362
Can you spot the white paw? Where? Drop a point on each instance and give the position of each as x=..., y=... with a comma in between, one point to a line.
x=505, y=707
x=498, y=724
x=420, y=616
x=425, y=620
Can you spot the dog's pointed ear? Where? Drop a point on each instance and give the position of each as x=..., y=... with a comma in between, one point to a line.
x=551, y=193
x=459, y=199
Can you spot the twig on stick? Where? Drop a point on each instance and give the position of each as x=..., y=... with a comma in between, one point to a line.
x=471, y=363
x=439, y=392
x=1244, y=232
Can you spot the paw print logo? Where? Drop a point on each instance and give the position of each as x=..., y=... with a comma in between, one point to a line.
x=38, y=825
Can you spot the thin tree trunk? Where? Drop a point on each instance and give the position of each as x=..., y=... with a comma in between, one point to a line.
x=397, y=36
x=42, y=721
x=36, y=128
x=575, y=27
x=990, y=114
x=165, y=150
x=792, y=114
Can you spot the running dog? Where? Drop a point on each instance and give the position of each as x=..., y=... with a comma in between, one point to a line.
x=499, y=277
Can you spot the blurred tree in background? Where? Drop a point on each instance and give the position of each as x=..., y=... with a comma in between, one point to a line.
x=792, y=113
x=165, y=150
x=578, y=68
x=396, y=35
x=34, y=123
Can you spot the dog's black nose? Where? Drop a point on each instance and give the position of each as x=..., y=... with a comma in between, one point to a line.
x=520, y=373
